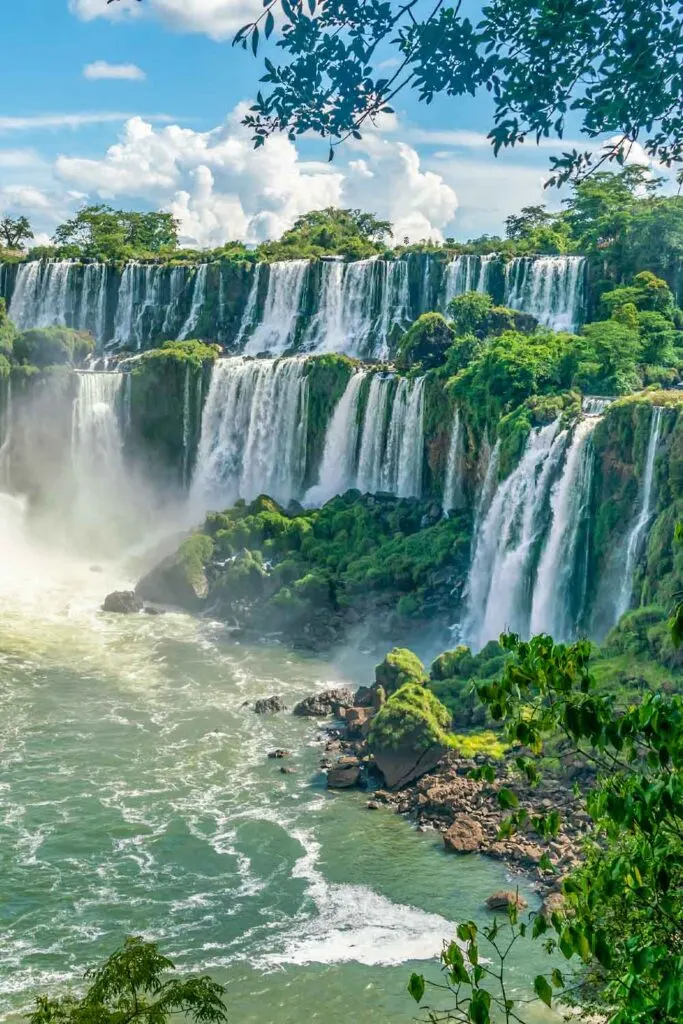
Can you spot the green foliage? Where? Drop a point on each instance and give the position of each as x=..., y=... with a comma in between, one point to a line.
x=8, y=331
x=412, y=716
x=52, y=346
x=332, y=83
x=14, y=231
x=330, y=232
x=355, y=555
x=425, y=344
x=194, y=554
x=470, y=313
x=625, y=905
x=399, y=667
x=327, y=377
x=101, y=232
x=133, y=987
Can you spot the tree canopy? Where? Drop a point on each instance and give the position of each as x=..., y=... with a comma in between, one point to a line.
x=134, y=986
x=351, y=233
x=14, y=231
x=102, y=232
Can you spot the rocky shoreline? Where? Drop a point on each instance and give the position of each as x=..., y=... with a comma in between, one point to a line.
x=443, y=797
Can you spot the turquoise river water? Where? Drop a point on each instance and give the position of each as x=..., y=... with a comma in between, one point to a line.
x=136, y=798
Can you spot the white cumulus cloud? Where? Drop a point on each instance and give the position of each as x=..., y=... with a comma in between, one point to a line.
x=221, y=189
x=101, y=69
x=218, y=19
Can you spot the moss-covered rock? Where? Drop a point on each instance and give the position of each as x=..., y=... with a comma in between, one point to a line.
x=409, y=734
x=399, y=667
x=181, y=579
x=52, y=346
x=169, y=386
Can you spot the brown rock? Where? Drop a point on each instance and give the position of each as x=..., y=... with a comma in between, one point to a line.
x=344, y=773
x=504, y=899
x=464, y=836
x=372, y=805
x=553, y=904
x=358, y=721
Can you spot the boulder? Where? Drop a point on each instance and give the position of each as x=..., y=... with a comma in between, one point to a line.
x=278, y=754
x=321, y=705
x=358, y=721
x=180, y=579
x=406, y=763
x=344, y=773
x=399, y=667
x=122, y=602
x=504, y=899
x=554, y=903
x=269, y=705
x=464, y=836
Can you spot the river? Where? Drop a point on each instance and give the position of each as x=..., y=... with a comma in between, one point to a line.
x=137, y=798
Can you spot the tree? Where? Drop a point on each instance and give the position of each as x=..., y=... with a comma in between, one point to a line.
x=523, y=224
x=425, y=343
x=331, y=231
x=100, y=231
x=132, y=987
x=623, y=908
x=540, y=64
x=15, y=231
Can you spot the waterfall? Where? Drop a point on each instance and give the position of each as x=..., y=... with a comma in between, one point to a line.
x=369, y=477
x=395, y=303
x=499, y=581
x=277, y=328
x=187, y=426
x=345, y=316
x=594, y=405
x=338, y=466
x=198, y=299
x=248, y=321
x=5, y=433
x=253, y=437
x=550, y=288
x=123, y=322
x=176, y=287
x=92, y=310
x=486, y=264
x=452, y=492
x=41, y=294
x=391, y=457
x=638, y=531
x=101, y=481
x=557, y=599
x=409, y=483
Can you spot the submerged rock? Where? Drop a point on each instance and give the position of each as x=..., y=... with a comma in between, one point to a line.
x=269, y=705
x=321, y=705
x=122, y=602
x=504, y=899
x=278, y=754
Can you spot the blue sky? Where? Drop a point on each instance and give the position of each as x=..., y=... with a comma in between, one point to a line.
x=177, y=143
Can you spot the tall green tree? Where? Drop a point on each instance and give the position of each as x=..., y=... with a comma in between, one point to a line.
x=14, y=231
x=101, y=231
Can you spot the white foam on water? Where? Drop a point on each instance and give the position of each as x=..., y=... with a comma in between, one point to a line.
x=355, y=924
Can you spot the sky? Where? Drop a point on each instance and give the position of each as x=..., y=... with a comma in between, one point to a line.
x=139, y=105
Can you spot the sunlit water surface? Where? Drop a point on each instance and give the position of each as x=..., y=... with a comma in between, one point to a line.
x=136, y=798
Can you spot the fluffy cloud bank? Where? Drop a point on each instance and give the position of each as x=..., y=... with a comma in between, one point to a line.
x=220, y=188
x=218, y=19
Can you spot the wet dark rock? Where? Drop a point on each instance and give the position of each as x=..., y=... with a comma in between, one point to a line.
x=288, y=771
x=270, y=705
x=373, y=805
x=122, y=602
x=151, y=609
x=278, y=754
x=321, y=705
